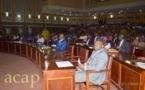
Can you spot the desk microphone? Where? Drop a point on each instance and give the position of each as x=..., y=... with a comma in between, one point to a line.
x=54, y=55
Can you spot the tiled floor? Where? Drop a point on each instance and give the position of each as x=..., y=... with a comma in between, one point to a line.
x=95, y=88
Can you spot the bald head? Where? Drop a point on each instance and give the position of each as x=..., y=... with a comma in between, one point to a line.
x=99, y=44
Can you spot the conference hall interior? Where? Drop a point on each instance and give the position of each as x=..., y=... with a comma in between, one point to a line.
x=72, y=44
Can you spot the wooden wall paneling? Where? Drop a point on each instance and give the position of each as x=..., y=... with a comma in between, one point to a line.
x=61, y=79
x=11, y=48
x=37, y=56
x=1, y=47
x=29, y=51
x=26, y=50
x=5, y=47
x=115, y=72
x=142, y=79
x=130, y=79
x=18, y=49
x=23, y=49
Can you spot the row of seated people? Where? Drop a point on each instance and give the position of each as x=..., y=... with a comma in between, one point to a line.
x=94, y=67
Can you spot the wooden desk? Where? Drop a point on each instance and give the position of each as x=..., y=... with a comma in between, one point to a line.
x=124, y=75
x=54, y=78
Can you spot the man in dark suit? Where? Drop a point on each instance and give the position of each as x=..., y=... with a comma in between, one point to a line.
x=61, y=43
x=90, y=41
x=123, y=45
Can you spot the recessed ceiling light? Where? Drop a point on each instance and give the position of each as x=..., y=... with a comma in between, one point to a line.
x=140, y=10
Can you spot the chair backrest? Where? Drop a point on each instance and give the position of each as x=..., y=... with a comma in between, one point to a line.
x=45, y=42
x=83, y=53
x=70, y=48
x=112, y=44
x=109, y=65
x=143, y=54
x=132, y=49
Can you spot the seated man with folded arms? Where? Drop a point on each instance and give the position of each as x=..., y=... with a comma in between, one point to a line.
x=40, y=39
x=97, y=61
x=61, y=43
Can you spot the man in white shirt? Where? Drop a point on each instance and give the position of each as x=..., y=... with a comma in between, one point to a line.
x=40, y=39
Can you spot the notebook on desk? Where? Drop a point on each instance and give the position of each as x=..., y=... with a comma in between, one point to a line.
x=64, y=64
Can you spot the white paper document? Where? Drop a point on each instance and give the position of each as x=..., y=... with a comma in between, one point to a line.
x=141, y=65
x=64, y=64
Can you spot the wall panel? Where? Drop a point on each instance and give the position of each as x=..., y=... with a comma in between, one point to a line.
x=29, y=10
x=38, y=11
x=6, y=8
x=18, y=11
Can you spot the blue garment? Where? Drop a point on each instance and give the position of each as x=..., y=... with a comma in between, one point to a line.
x=30, y=37
x=61, y=44
x=114, y=40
